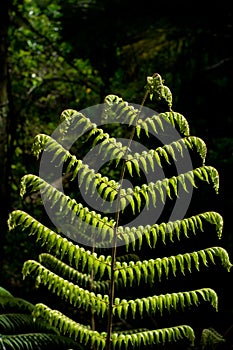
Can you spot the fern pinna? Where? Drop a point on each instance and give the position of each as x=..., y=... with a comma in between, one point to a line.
x=19, y=331
x=116, y=271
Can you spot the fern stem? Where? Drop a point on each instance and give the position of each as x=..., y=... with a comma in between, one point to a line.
x=117, y=218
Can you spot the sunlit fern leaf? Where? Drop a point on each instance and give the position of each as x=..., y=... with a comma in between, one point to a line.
x=156, y=87
x=54, y=242
x=108, y=146
x=162, y=187
x=67, y=116
x=77, y=331
x=73, y=329
x=184, y=263
x=74, y=122
x=118, y=109
x=211, y=253
x=152, y=337
x=67, y=272
x=208, y=173
x=67, y=290
x=39, y=143
x=106, y=187
x=199, y=145
x=73, y=211
x=72, y=163
x=177, y=120
x=158, y=123
x=5, y=293
x=64, y=270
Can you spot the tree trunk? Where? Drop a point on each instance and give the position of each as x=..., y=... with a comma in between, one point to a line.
x=4, y=110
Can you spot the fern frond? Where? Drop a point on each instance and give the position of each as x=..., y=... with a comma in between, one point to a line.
x=195, y=142
x=36, y=341
x=71, y=274
x=164, y=121
x=149, y=192
x=171, y=230
x=75, y=213
x=148, y=159
x=108, y=188
x=108, y=146
x=159, y=303
x=12, y=304
x=69, y=327
x=5, y=293
x=177, y=120
x=86, y=279
x=78, y=256
x=176, y=263
x=86, y=335
x=102, y=264
x=155, y=85
x=69, y=291
x=71, y=119
x=61, y=155
x=82, y=298
x=210, y=337
x=117, y=109
x=76, y=123
x=115, y=150
x=153, y=337
x=209, y=174
x=88, y=178
x=12, y=323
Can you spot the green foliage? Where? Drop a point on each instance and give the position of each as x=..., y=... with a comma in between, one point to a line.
x=73, y=53
x=85, y=278
x=122, y=339
x=19, y=331
x=42, y=76
x=210, y=338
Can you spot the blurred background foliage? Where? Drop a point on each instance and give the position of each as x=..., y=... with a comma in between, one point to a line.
x=70, y=54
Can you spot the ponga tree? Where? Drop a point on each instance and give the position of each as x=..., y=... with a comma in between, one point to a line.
x=125, y=238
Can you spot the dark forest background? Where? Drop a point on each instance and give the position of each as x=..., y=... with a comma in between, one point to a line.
x=70, y=54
